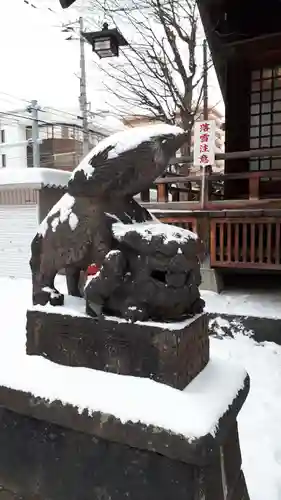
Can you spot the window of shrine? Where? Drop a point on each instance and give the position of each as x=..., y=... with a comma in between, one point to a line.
x=265, y=116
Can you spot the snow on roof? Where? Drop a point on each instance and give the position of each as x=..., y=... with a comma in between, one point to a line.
x=149, y=229
x=125, y=140
x=41, y=177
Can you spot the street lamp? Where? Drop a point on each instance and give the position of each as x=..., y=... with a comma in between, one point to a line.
x=66, y=3
x=106, y=42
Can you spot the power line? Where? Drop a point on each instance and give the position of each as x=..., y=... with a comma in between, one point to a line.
x=49, y=9
x=6, y=113
x=14, y=97
x=57, y=111
x=47, y=109
x=10, y=115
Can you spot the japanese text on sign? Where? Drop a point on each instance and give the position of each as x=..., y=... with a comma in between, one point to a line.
x=204, y=143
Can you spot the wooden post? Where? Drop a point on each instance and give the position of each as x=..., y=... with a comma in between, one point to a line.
x=205, y=170
x=162, y=192
x=145, y=195
x=175, y=195
x=254, y=188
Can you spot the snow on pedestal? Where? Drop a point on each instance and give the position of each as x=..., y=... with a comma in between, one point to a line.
x=192, y=413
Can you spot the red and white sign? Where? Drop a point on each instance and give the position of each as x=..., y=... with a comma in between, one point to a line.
x=204, y=143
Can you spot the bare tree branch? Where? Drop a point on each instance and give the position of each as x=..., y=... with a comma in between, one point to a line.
x=157, y=75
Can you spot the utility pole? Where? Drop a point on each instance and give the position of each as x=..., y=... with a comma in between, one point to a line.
x=204, y=185
x=83, y=90
x=35, y=134
x=83, y=82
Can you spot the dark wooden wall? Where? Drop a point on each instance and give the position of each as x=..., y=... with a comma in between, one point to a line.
x=237, y=107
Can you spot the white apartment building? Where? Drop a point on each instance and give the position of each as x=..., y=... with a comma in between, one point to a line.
x=12, y=133
x=60, y=132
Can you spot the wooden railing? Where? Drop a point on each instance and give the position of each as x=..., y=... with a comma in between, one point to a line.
x=189, y=223
x=246, y=234
x=213, y=200
x=249, y=244
x=206, y=191
x=235, y=240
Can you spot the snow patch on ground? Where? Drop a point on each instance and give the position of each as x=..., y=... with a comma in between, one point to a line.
x=125, y=140
x=261, y=305
x=223, y=327
x=259, y=420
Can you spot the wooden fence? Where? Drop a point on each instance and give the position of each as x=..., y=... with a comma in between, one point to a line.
x=189, y=223
x=253, y=243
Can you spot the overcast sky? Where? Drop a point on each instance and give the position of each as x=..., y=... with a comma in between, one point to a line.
x=38, y=63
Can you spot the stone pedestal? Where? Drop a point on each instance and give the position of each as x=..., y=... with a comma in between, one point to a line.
x=171, y=353
x=51, y=451
x=128, y=437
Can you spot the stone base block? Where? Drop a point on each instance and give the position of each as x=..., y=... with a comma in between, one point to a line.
x=211, y=280
x=44, y=456
x=171, y=353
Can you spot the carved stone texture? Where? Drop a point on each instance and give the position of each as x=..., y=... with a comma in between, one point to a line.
x=126, y=163
x=155, y=274
x=77, y=231
x=8, y=495
x=171, y=356
x=50, y=450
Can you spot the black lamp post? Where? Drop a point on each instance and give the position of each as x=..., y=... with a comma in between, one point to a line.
x=106, y=42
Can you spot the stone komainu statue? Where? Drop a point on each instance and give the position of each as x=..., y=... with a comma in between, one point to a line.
x=146, y=269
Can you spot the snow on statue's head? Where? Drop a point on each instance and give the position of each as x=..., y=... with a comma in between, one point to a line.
x=127, y=162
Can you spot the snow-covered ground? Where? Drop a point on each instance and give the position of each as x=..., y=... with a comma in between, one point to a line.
x=259, y=421
x=261, y=304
